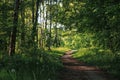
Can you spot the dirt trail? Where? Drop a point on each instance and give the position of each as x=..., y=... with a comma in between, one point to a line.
x=75, y=70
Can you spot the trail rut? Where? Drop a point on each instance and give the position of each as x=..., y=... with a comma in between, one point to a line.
x=76, y=70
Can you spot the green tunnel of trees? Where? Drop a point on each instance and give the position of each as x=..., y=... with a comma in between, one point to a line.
x=29, y=27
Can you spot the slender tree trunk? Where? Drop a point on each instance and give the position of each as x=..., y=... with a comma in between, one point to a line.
x=49, y=44
x=41, y=35
x=56, y=30
x=23, y=26
x=35, y=21
x=46, y=19
x=56, y=36
x=14, y=29
x=43, y=32
x=46, y=23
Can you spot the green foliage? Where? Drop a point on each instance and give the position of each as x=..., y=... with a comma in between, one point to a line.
x=5, y=23
x=95, y=24
x=72, y=39
x=101, y=17
x=93, y=49
x=40, y=66
x=104, y=59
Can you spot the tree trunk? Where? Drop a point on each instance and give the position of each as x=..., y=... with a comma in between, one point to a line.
x=41, y=29
x=33, y=19
x=14, y=29
x=23, y=26
x=49, y=44
x=56, y=30
x=34, y=30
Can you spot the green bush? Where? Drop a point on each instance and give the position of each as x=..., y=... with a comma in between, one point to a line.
x=78, y=40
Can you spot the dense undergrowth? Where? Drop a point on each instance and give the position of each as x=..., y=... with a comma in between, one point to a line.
x=93, y=50
x=36, y=65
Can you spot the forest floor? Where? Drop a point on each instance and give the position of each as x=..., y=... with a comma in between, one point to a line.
x=76, y=70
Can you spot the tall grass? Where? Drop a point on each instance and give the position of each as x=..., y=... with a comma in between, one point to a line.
x=35, y=65
x=104, y=59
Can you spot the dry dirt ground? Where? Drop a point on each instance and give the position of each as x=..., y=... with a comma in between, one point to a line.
x=76, y=70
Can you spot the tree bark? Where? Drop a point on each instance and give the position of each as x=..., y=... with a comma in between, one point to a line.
x=14, y=29
x=56, y=30
x=23, y=25
x=49, y=44
x=34, y=30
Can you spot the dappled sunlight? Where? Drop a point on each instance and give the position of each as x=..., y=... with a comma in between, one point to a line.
x=83, y=68
x=74, y=39
x=104, y=59
x=61, y=49
x=76, y=70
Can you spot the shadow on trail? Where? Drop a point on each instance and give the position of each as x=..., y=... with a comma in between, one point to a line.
x=75, y=70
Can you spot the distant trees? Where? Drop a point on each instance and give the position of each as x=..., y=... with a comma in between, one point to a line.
x=29, y=24
x=99, y=17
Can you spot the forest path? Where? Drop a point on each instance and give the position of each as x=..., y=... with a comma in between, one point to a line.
x=76, y=70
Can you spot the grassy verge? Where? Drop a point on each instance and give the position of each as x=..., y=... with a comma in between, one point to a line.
x=101, y=58
x=36, y=65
